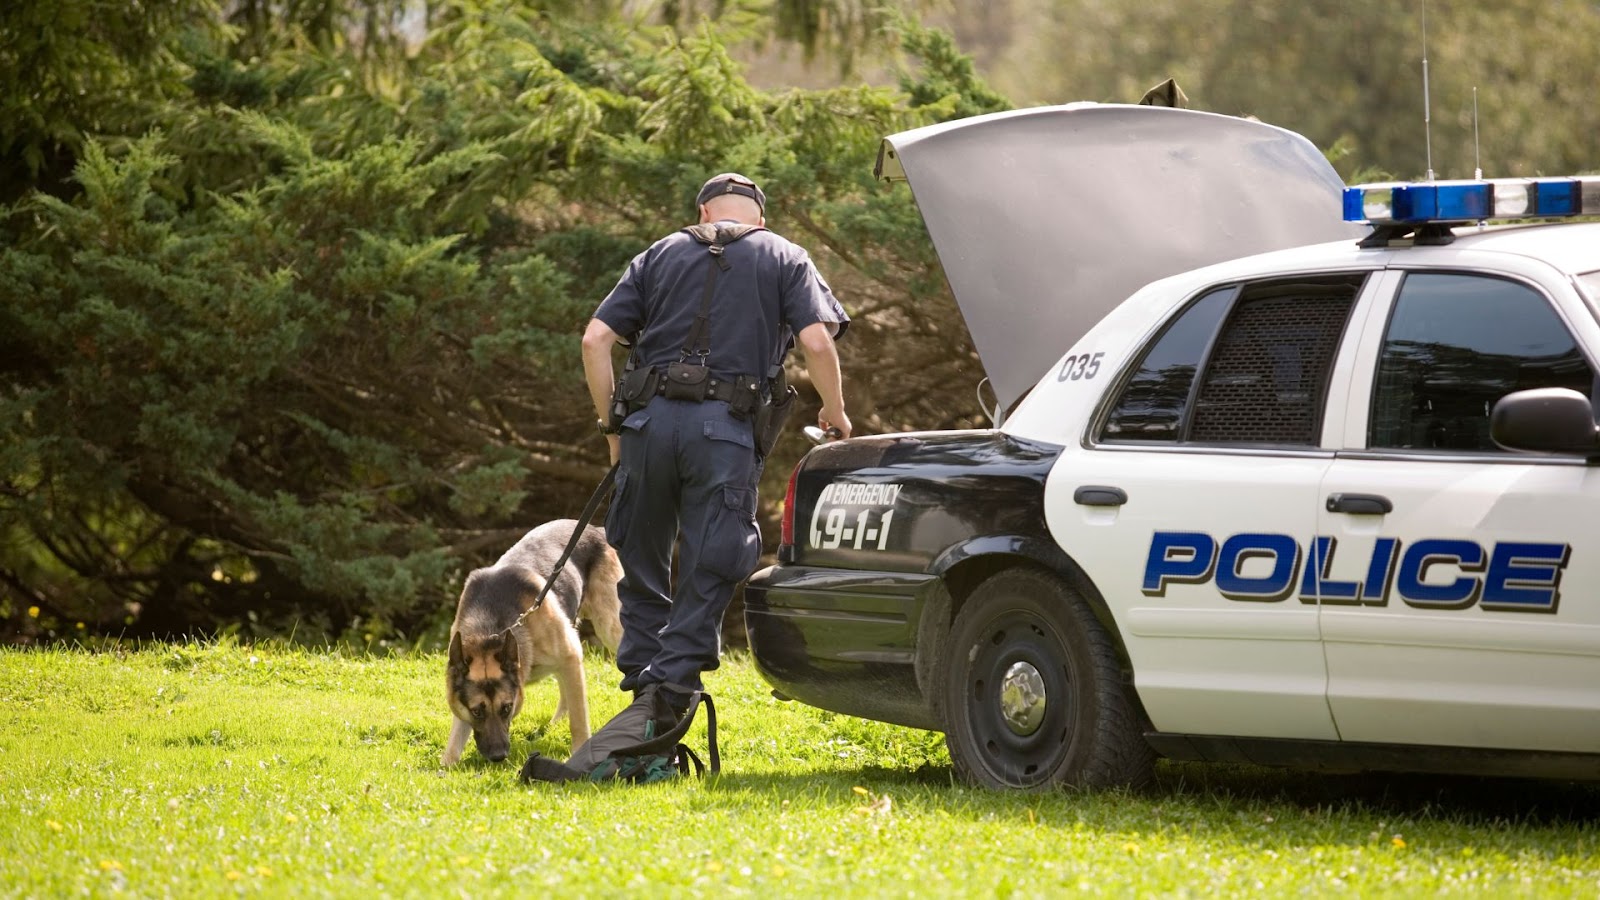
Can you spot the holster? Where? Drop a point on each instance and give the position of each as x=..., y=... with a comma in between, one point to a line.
x=771, y=418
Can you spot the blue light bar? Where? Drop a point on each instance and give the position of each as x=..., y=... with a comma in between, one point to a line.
x=1557, y=197
x=1456, y=202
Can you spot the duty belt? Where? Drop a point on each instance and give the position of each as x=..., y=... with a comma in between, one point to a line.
x=716, y=388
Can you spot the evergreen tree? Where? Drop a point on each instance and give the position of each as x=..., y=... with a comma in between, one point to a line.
x=301, y=356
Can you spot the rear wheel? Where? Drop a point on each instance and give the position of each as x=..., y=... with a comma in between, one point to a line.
x=1033, y=695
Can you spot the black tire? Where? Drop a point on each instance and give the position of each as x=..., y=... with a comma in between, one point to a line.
x=1027, y=633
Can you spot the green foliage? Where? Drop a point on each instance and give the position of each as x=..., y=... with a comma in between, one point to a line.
x=212, y=769
x=304, y=350
x=847, y=32
x=1341, y=72
x=948, y=81
x=74, y=68
x=310, y=371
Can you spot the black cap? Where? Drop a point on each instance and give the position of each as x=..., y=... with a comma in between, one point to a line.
x=731, y=183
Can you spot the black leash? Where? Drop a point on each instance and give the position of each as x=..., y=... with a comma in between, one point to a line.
x=589, y=508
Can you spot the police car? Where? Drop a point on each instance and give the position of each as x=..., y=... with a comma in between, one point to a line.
x=1275, y=485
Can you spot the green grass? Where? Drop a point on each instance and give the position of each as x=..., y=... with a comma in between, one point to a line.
x=220, y=769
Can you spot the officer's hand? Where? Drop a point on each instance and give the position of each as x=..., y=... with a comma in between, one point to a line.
x=615, y=442
x=836, y=420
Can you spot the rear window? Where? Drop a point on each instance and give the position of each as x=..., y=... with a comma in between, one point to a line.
x=1244, y=364
x=1152, y=405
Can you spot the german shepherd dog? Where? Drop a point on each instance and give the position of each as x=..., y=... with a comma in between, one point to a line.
x=493, y=656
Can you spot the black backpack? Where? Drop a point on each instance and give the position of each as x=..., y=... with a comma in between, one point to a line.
x=643, y=744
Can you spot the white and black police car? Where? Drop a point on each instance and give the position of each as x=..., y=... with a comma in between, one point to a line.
x=1282, y=487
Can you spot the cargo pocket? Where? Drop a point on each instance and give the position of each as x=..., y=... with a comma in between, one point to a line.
x=620, y=512
x=732, y=544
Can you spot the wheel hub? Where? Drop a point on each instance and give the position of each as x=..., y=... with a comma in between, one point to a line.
x=1022, y=698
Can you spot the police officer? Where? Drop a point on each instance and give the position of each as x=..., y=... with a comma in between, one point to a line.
x=692, y=465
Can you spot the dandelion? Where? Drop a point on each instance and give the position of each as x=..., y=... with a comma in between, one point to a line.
x=713, y=867
x=263, y=871
x=1399, y=842
x=52, y=824
x=291, y=818
x=233, y=875
x=33, y=612
x=110, y=865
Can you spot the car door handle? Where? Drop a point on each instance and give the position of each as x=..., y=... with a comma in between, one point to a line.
x=1099, y=495
x=1360, y=504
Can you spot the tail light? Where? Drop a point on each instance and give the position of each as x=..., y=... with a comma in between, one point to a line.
x=786, y=528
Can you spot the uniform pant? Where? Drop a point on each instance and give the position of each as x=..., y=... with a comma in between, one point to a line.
x=688, y=467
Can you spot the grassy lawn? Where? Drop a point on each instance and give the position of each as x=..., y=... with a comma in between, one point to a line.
x=211, y=770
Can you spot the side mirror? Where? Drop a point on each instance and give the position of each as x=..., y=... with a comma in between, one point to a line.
x=1548, y=420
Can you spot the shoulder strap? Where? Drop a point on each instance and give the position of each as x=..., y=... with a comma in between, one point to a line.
x=715, y=237
x=717, y=233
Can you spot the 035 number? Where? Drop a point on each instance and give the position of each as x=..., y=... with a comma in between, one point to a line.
x=1079, y=367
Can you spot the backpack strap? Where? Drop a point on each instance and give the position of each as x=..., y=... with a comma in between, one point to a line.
x=663, y=742
x=670, y=738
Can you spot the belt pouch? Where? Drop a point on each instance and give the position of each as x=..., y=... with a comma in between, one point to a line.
x=638, y=386
x=746, y=396
x=686, y=381
x=771, y=418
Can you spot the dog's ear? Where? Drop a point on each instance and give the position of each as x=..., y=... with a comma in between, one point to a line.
x=507, y=655
x=458, y=654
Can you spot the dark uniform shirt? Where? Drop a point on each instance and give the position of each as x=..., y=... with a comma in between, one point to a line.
x=770, y=292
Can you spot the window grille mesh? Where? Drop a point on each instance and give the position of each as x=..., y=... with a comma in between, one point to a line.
x=1269, y=371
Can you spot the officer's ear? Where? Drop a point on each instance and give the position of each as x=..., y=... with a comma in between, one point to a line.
x=705, y=214
x=761, y=221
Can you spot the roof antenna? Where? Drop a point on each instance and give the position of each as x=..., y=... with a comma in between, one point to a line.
x=1427, y=115
x=1477, y=160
